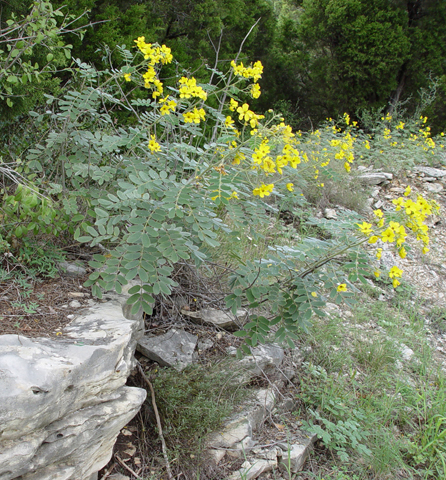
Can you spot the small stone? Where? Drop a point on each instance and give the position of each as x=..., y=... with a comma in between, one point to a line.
x=294, y=456
x=75, y=304
x=72, y=269
x=76, y=294
x=434, y=187
x=379, y=204
x=218, y=318
x=375, y=192
x=407, y=353
x=330, y=214
x=205, y=344
x=263, y=360
x=173, y=349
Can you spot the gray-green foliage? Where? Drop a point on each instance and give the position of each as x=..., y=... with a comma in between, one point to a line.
x=31, y=49
x=148, y=207
x=297, y=281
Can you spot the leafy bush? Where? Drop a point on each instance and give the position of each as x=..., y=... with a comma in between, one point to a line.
x=196, y=160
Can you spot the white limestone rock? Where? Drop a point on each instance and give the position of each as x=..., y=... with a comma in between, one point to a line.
x=253, y=469
x=63, y=401
x=432, y=172
x=434, y=187
x=375, y=178
x=294, y=456
x=263, y=359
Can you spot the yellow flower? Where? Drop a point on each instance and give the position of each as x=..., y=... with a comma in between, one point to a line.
x=263, y=190
x=243, y=112
x=388, y=235
x=395, y=272
x=167, y=106
x=366, y=228
x=407, y=191
x=379, y=253
x=128, y=77
x=377, y=273
x=313, y=294
x=290, y=186
x=233, y=104
x=229, y=121
x=342, y=287
x=347, y=166
x=373, y=239
x=378, y=213
x=189, y=88
x=153, y=145
x=255, y=90
x=425, y=250
x=195, y=116
x=395, y=283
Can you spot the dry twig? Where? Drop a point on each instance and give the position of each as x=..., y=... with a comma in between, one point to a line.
x=127, y=467
x=158, y=421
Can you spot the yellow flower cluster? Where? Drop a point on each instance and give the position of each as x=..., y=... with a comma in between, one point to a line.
x=263, y=190
x=154, y=146
x=254, y=72
x=346, y=148
x=156, y=55
x=195, y=116
x=168, y=106
x=248, y=116
x=189, y=88
x=395, y=232
x=417, y=212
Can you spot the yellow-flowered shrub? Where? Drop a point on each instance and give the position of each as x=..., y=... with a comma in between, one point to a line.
x=198, y=160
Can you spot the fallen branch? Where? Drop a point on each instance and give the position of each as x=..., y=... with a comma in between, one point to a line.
x=127, y=467
x=158, y=421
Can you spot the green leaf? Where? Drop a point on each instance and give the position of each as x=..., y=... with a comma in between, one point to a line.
x=91, y=231
x=241, y=333
x=147, y=308
x=134, y=298
x=136, y=307
x=134, y=289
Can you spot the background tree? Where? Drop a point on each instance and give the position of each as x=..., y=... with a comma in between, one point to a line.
x=347, y=55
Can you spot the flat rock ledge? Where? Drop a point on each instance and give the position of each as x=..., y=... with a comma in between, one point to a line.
x=64, y=401
x=238, y=439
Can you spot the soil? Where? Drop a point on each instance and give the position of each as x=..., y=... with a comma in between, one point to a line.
x=41, y=307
